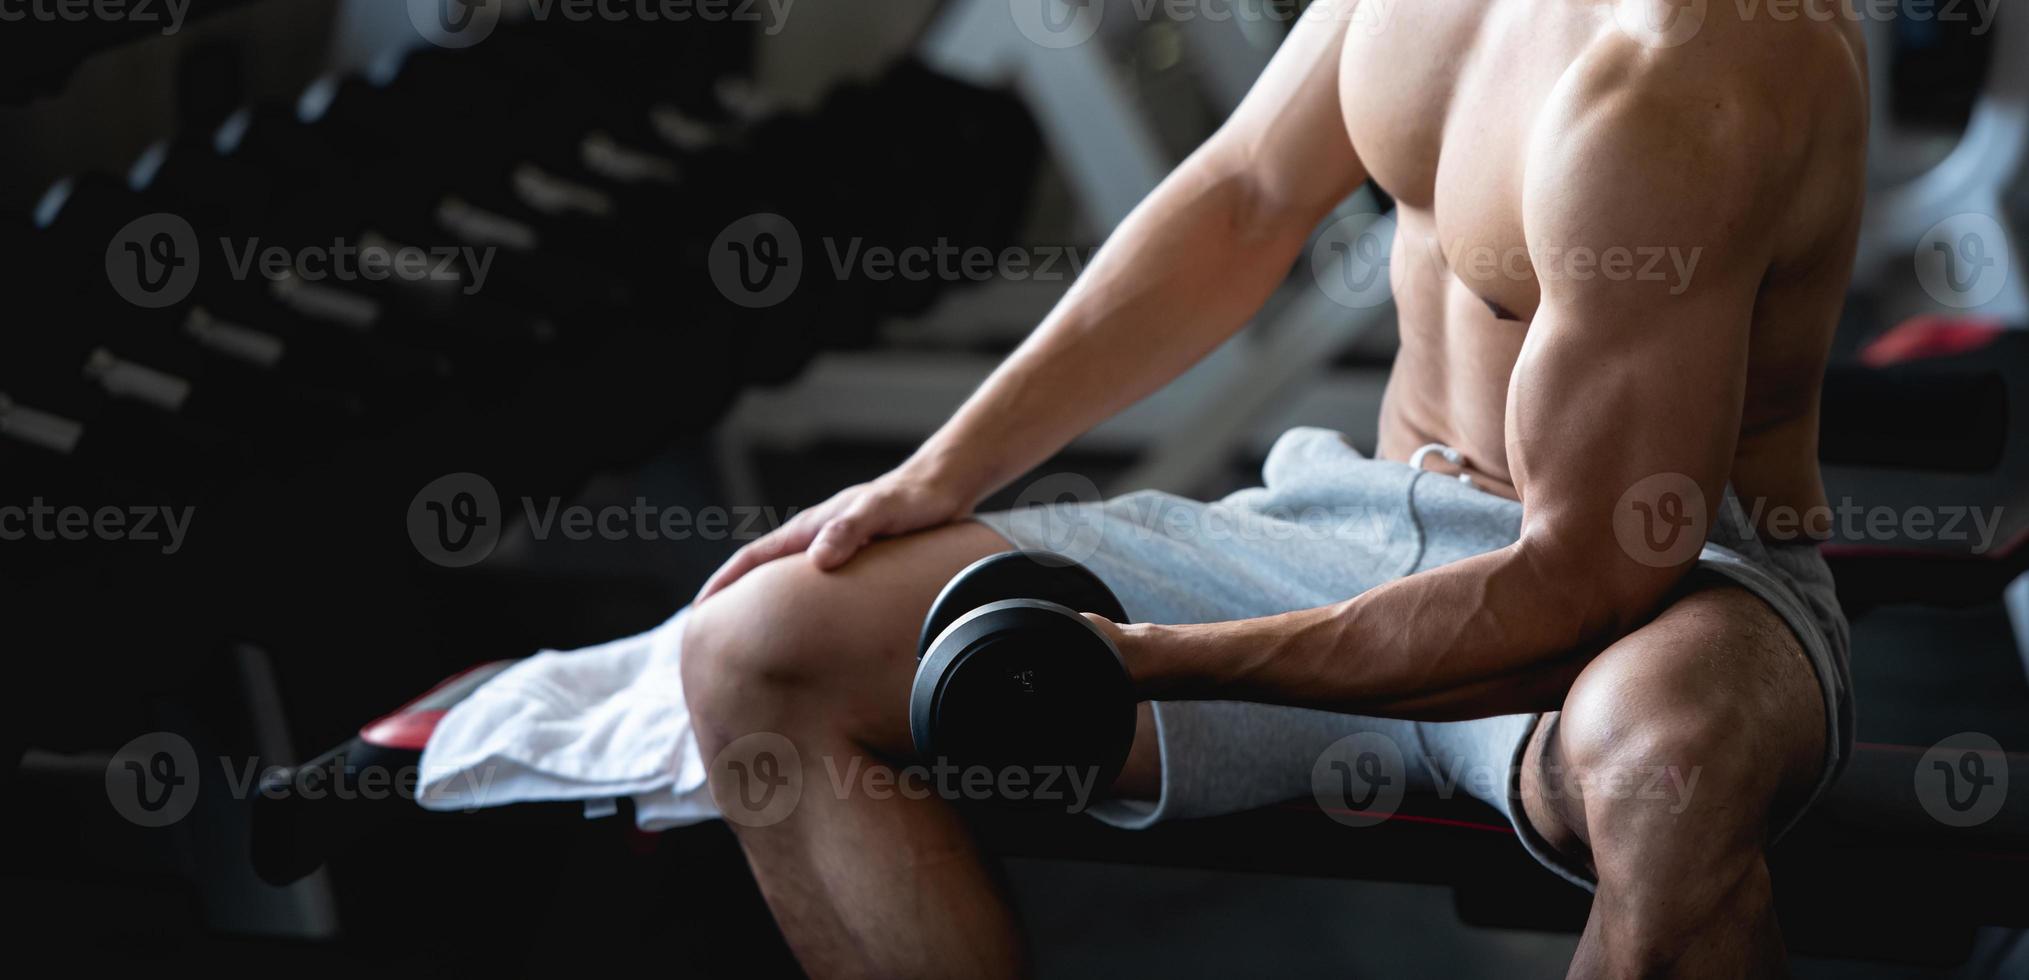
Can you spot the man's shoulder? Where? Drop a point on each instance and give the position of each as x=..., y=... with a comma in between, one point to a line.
x=1756, y=71
x=1743, y=100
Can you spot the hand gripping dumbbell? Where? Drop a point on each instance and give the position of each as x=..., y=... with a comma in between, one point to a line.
x=1010, y=677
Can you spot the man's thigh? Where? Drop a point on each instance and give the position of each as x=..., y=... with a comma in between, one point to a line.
x=1710, y=717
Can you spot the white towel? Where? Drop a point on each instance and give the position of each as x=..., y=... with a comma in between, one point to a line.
x=596, y=725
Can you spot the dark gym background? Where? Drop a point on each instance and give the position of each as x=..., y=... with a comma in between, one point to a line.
x=604, y=367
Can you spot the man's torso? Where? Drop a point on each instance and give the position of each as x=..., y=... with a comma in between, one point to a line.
x=1442, y=99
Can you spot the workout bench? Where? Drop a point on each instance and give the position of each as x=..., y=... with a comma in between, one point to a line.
x=1868, y=873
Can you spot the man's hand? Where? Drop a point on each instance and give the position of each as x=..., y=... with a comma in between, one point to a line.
x=897, y=503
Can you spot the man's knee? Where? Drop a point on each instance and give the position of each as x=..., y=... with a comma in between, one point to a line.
x=749, y=650
x=1691, y=725
x=789, y=648
x=1643, y=771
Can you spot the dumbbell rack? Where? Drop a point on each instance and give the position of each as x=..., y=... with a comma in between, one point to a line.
x=537, y=392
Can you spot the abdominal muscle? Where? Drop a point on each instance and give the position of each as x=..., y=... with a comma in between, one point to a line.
x=1449, y=385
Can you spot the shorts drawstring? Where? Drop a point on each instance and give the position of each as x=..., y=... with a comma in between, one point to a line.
x=1452, y=456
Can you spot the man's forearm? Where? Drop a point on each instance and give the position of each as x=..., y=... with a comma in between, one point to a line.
x=1494, y=634
x=1182, y=274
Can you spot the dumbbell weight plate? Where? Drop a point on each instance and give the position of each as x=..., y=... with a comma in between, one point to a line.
x=1013, y=679
x=1041, y=575
x=1031, y=692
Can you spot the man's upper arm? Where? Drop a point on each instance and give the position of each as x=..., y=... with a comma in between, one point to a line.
x=1624, y=407
x=1288, y=136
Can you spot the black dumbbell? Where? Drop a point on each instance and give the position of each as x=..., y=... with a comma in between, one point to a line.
x=1011, y=678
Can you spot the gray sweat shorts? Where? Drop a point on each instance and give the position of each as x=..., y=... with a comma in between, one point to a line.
x=1328, y=524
